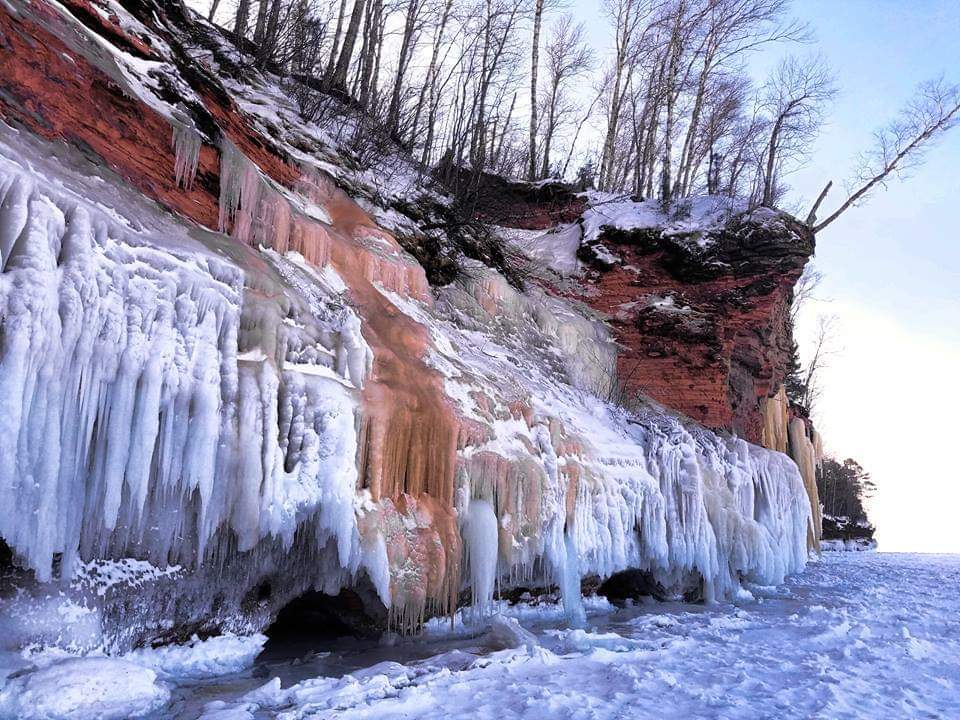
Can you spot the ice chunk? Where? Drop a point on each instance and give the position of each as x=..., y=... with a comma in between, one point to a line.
x=218, y=655
x=506, y=632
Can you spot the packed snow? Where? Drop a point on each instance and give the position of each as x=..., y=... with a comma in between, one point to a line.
x=83, y=689
x=857, y=635
x=695, y=214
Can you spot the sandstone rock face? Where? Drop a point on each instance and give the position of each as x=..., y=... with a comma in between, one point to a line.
x=703, y=318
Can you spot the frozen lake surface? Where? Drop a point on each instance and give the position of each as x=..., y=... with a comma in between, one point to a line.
x=857, y=635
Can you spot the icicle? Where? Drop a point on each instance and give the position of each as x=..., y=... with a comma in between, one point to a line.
x=186, y=144
x=570, y=584
x=260, y=213
x=129, y=423
x=480, y=543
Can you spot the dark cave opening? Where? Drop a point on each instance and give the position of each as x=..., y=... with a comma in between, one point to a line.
x=631, y=584
x=7, y=566
x=317, y=621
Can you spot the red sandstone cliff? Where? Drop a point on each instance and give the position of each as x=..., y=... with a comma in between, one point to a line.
x=715, y=361
x=702, y=315
x=704, y=320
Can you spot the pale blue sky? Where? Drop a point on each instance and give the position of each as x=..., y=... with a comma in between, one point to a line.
x=892, y=267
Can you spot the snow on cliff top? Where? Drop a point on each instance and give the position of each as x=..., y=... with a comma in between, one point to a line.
x=696, y=214
x=556, y=248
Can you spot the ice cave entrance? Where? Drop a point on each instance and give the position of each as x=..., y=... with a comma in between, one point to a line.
x=314, y=621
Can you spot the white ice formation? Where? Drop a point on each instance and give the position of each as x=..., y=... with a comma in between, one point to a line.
x=151, y=404
x=581, y=487
x=189, y=399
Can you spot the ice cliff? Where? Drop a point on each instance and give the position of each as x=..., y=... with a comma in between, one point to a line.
x=223, y=382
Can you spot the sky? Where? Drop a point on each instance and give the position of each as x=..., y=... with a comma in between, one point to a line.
x=891, y=267
x=892, y=272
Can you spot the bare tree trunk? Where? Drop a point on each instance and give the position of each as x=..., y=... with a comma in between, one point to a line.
x=427, y=90
x=379, y=26
x=613, y=119
x=665, y=163
x=768, y=176
x=477, y=145
x=576, y=134
x=335, y=44
x=339, y=77
x=684, y=171
x=370, y=54
x=812, y=215
x=549, y=131
x=674, y=51
x=213, y=10
x=393, y=116
x=503, y=133
x=650, y=149
x=243, y=15
x=624, y=29
x=268, y=39
x=261, y=27
x=361, y=76
x=534, y=68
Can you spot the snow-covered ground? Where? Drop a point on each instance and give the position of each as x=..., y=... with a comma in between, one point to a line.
x=858, y=635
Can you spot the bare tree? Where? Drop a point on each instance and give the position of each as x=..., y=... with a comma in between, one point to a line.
x=823, y=348
x=583, y=120
x=338, y=79
x=567, y=57
x=241, y=18
x=534, y=98
x=899, y=146
x=407, y=43
x=428, y=89
x=795, y=99
x=679, y=26
x=444, y=77
x=335, y=44
x=729, y=29
x=626, y=17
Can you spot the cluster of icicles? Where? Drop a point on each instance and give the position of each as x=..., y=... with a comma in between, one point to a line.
x=151, y=407
x=145, y=405
x=576, y=487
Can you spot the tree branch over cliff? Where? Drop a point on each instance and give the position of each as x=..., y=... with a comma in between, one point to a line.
x=899, y=146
